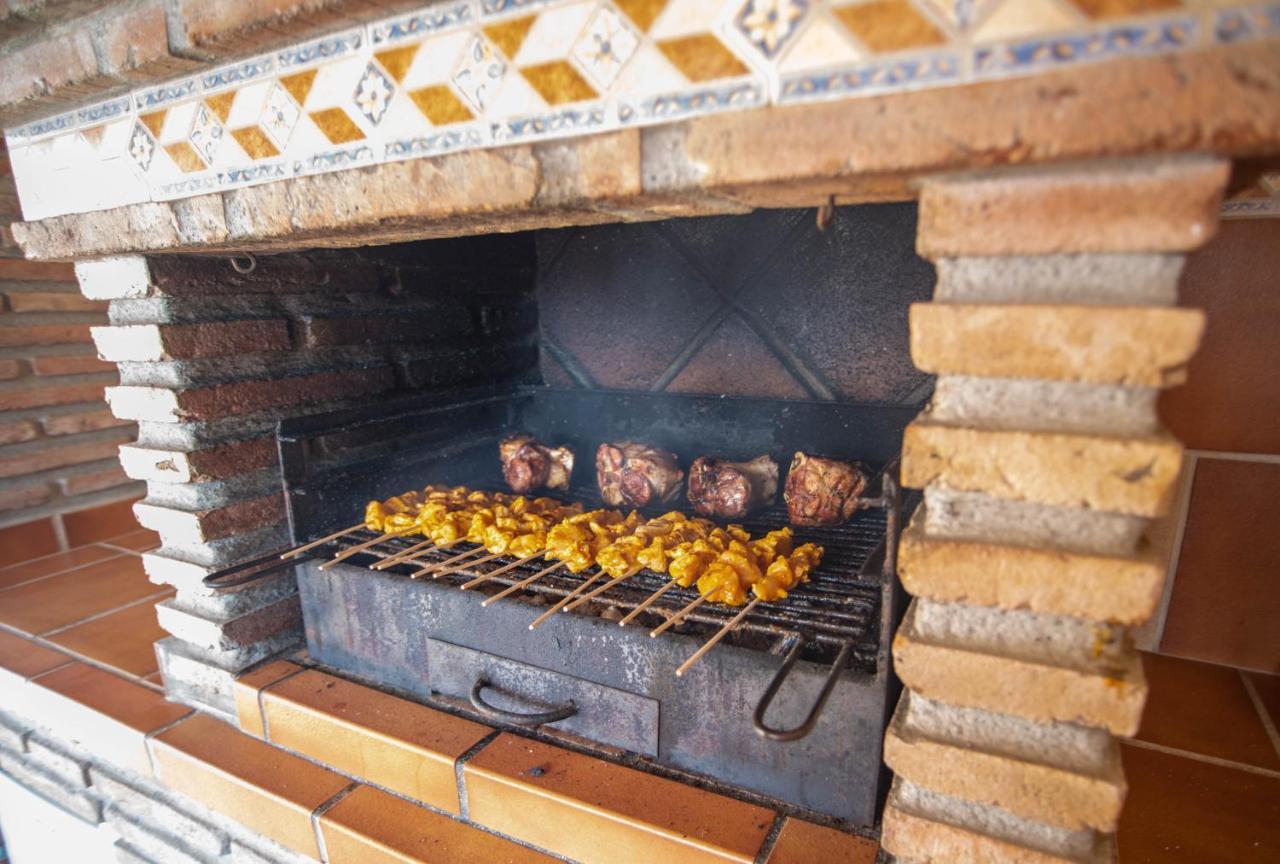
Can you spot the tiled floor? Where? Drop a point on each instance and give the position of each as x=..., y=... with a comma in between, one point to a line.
x=1203, y=772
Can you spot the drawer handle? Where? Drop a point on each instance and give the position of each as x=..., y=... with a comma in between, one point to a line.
x=562, y=713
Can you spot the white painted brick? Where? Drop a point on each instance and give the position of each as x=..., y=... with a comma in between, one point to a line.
x=143, y=403
x=138, y=342
x=114, y=278
x=155, y=465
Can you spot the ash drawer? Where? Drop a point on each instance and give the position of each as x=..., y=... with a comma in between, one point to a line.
x=503, y=686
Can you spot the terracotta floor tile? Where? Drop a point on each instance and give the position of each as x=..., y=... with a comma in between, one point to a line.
x=406, y=747
x=1182, y=810
x=580, y=806
x=265, y=788
x=123, y=640
x=108, y=714
x=802, y=842
x=47, y=604
x=1203, y=709
x=1268, y=689
x=370, y=826
x=246, y=689
x=50, y=564
x=23, y=658
x=141, y=540
x=99, y=523
x=29, y=540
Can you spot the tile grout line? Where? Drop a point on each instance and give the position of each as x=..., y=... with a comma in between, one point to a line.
x=459, y=766
x=99, y=615
x=1263, y=714
x=70, y=569
x=1229, y=456
x=771, y=838
x=149, y=739
x=1201, y=757
x=1185, y=488
x=262, y=708
x=323, y=808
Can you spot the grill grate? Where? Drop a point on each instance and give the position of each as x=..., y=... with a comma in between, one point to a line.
x=840, y=604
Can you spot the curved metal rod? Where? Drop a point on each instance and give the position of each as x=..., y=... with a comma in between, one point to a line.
x=244, y=269
x=797, y=732
x=536, y=719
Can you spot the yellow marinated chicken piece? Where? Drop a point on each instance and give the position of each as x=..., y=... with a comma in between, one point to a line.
x=578, y=539
x=788, y=571
x=687, y=562
x=727, y=579
x=621, y=555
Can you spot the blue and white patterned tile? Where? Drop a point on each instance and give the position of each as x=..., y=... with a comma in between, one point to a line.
x=421, y=24
x=1251, y=22
x=1107, y=43
x=873, y=77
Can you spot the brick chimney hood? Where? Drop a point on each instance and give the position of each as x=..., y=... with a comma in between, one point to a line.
x=1065, y=157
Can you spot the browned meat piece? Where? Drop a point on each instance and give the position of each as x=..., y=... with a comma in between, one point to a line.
x=636, y=475
x=822, y=491
x=528, y=465
x=730, y=490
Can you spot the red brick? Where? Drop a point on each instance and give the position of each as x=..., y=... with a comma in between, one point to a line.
x=49, y=301
x=222, y=339
x=60, y=455
x=376, y=329
x=21, y=270
x=27, y=496
x=46, y=66
x=136, y=39
x=15, y=433
x=246, y=397
x=74, y=424
x=94, y=481
x=11, y=369
x=33, y=397
x=70, y=365
x=43, y=334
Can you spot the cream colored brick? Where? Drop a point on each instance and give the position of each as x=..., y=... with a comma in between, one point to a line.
x=1137, y=476
x=968, y=764
x=1131, y=346
x=1118, y=589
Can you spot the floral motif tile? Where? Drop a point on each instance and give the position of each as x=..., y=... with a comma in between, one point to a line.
x=483, y=73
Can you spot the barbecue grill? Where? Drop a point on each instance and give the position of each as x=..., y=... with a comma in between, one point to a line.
x=791, y=703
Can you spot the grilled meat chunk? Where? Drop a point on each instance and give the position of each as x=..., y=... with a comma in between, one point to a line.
x=822, y=491
x=636, y=475
x=528, y=465
x=730, y=490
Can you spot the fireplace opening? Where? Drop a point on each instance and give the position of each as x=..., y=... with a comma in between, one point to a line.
x=728, y=337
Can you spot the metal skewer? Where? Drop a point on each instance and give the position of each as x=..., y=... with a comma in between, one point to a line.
x=603, y=588
x=720, y=634
x=537, y=622
x=484, y=577
x=307, y=547
x=678, y=617
x=403, y=554
x=528, y=580
x=360, y=547
x=647, y=603
x=436, y=565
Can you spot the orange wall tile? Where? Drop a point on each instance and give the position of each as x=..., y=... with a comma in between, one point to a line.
x=26, y=541
x=404, y=746
x=99, y=523
x=264, y=788
x=247, y=687
x=40, y=606
x=370, y=826
x=802, y=842
x=590, y=810
x=1225, y=603
x=1231, y=400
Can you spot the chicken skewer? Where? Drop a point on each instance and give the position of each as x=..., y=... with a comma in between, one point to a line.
x=687, y=561
x=578, y=541
x=519, y=530
x=438, y=518
x=307, y=547
x=394, y=517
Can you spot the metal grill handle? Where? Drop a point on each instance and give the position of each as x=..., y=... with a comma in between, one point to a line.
x=564, y=712
x=797, y=732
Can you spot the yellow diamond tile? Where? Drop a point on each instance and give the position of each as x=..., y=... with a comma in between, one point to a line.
x=509, y=35
x=397, y=60
x=255, y=142
x=439, y=104
x=185, y=156
x=336, y=125
x=641, y=12
x=299, y=85
x=889, y=25
x=558, y=82
x=702, y=58
x=1013, y=20
x=824, y=43
x=1123, y=8
x=220, y=104
x=154, y=121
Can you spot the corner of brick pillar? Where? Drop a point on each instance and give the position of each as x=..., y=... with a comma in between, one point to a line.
x=1043, y=465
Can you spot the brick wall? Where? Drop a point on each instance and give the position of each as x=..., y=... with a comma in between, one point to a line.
x=58, y=440
x=211, y=358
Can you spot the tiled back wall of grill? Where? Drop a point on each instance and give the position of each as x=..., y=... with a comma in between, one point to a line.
x=763, y=305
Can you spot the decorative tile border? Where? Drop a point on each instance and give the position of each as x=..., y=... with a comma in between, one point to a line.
x=467, y=74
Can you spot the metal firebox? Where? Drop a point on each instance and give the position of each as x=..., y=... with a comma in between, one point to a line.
x=791, y=705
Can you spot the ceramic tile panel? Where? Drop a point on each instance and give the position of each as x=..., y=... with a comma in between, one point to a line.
x=483, y=73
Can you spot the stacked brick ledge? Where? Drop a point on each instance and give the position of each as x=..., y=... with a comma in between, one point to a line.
x=1043, y=467
x=323, y=769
